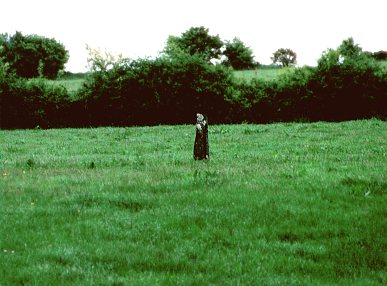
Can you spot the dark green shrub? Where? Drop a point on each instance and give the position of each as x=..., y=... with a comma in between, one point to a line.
x=348, y=84
x=284, y=99
x=30, y=103
x=292, y=95
x=252, y=101
x=380, y=55
x=158, y=91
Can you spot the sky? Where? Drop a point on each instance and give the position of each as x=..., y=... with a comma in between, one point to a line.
x=140, y=28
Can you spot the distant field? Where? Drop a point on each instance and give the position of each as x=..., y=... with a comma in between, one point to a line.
x=72, y=82
x=264, y=74
x=72, y=85
x=278, y=204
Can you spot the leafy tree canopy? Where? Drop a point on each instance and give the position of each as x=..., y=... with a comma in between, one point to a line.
x=195, y=41
x=238, y=55
x=286, y=57
x=348, y=54
x=32, y=55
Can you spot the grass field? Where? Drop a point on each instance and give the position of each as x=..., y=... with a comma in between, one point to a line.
x=278, y=204
x=72, y=82
x=264, y=74
x=72, y=85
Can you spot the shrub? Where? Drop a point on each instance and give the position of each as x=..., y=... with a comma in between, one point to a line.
x=380, y=55
x=348, y=84
x=286, y=98
x=30, y=103
x=158, y=91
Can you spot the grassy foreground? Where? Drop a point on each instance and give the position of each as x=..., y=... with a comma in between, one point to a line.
x=278, y=204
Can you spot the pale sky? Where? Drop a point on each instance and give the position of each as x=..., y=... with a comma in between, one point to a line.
x=140, y=28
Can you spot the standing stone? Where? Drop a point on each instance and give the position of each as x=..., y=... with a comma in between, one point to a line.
x=201, y=148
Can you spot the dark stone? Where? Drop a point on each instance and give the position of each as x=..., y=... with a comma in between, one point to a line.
x=201, y=148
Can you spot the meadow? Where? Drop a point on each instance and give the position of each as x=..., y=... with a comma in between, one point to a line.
x=267, y=74
x=277, y=204
x=72, y=82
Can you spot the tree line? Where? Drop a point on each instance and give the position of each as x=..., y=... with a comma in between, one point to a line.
x=348, y=83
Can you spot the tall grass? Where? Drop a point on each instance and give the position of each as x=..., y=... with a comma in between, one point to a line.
x=279, y=204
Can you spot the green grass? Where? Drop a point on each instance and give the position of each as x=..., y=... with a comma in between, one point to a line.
x=71, y=81
x=72, y=85
x=278, y=204
x=263, y=74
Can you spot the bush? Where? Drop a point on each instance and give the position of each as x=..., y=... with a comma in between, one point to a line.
x=380, y=55
x=348, y=84
x=161, y=91
x=284, y=99
x=30, y=103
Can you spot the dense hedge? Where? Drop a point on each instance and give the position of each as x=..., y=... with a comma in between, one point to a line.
x=31, y=103
x=160, y=91
x=163, y=91
x=332, y=93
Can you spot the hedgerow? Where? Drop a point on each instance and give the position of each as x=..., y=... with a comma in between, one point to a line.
x=346, y=84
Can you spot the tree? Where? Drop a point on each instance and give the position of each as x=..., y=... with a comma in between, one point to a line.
x=286, y=57
x=195, y=41
x=350, y=84
x=173, y=48
x=348, y=55
x=348, y=48
x=32, y=55
x=102, y=62
x=380, y=55
x=238, y=55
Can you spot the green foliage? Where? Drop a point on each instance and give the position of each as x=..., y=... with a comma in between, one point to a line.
x=278, y=204
x=195, y=41
x=380, y=55
x=263, y=73
x=286, y=57
x=32, y=55
x=30, y=103
x=102, y=62
x=238, y=55
x=173, y=48
x=282, y=99
x=348, y=83
x=158, y=91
